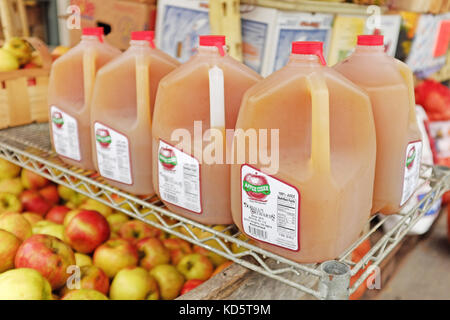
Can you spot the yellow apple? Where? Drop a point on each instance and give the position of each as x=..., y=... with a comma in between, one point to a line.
x=94, y=205
x=8, y=62
x=133, y=284
x=82, y=260
x=24, y=284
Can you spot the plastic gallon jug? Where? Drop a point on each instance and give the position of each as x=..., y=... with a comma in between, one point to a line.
x=198, y=101
x=121, y=114
x=390, y=86
x=70, y=91
x=315, y=203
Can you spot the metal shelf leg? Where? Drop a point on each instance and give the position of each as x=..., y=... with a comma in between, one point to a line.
x=335, y=280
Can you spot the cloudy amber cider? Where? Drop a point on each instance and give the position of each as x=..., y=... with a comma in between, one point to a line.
x=321, y=194
x=184, y=97
x=389, y=83
x=123, y=102
x=70, y=90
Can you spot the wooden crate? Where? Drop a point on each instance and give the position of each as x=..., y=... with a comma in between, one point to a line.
x=23, y=93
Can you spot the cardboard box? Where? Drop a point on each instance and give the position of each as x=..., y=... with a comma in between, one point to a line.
x=390, y=28
x=298, y=26
x=258, y=37
x=118, y=17
x=178, y=26
x=345, y=32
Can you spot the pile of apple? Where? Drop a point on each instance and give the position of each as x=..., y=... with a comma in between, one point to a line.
x=16, y=54
x=56, y=243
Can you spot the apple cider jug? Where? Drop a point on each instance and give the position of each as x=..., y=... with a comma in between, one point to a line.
x=389, y=83
x=203, y=94
x=121, y=114
x=71, y=85
x=316, y=201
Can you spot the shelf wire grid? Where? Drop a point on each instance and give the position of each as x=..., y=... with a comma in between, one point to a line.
x=29, y=147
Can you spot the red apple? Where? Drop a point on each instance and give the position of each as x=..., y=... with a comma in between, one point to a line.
x=16, y=224
x=32, y=201
x=87, y=230
x=31, y=180
x=190, y=285
x=256, y=181
x=167, y=158
x=178, y=249
x=136, y=230
x=91, y=277
x=57, y=214
x=50, y=193
x=9, y=244
x=115, y=255
x=152, y=253
x=48, y=255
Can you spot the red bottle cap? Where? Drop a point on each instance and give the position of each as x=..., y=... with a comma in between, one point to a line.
x=213, y=41
x=98, y=32
x=309, y=47
x=371, y=40
x=144, y=36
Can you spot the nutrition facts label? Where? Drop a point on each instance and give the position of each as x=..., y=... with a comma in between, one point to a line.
x=412, y=170
x=270, y=209
x=113, y=154
x=65, y=134
x=179, y=178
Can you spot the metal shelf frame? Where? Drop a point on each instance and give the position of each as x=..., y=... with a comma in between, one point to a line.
x=29, y=147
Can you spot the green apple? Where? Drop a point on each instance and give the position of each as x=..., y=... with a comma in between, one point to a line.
x=94, y=205
x=116, y=220
x=20, y=48
x=82, y=260
x=195, y=266
x=8, y=170
x=134, y=284
x=13, y=186
x=16, y=224
x=169, y=280
x=9, y=203
x=24, y=284
x=9, y=244
x=49, y=228
x=84, y=294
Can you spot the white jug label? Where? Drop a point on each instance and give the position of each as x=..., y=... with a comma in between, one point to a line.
x=270, y=209
x=65, y=134
x=113, y=154
x=179, y=178
x=412, y=170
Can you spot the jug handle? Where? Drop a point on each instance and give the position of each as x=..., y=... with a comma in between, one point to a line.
x=408, y=77
x=320, y=131
x=89, y=72
x=143, y=89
